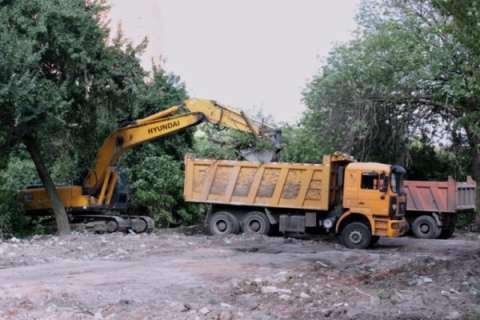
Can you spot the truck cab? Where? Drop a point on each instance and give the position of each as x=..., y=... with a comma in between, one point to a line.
x=374, y=192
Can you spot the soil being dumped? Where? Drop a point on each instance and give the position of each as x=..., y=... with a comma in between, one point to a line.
x=171, y=275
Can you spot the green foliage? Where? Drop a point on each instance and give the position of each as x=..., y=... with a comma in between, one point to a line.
x=63, y=80
x=17, y=175
x=156, y=168
x=157, y=186
x=410, y=72
x=429, y=163
x=302, y=146
x=218, y=143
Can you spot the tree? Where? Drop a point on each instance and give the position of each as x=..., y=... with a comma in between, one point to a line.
x=410, y=71
x=54, y=70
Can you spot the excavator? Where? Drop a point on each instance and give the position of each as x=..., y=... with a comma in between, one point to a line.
x=103, y=196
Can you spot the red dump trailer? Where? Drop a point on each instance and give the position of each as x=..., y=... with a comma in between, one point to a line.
x=432, y=205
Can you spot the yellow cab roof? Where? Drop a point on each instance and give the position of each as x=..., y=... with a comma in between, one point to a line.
x=370, y=166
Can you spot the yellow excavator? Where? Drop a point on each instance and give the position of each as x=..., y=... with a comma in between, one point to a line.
x=102, y=197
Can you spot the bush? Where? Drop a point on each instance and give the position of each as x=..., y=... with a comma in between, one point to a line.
x=14, y=177
x=156, y=189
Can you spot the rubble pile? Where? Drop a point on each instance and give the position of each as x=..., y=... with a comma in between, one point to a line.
x=171, y=275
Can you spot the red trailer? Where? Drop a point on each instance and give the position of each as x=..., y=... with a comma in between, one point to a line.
x=432, y=205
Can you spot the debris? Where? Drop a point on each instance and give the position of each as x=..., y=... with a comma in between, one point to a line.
x=321, y=264
x=453, y=315
x=201, y=277
x=303, y=295
x=186, y=307
x=423, y=280
x=225, y=315
x=204, y=310
x=272, y=289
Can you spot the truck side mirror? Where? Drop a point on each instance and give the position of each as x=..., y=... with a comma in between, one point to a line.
x=384, y=185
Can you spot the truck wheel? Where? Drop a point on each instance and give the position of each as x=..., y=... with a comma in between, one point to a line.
x=223, y=223
x=356, y=235
x=256, y=222
x=425, y=227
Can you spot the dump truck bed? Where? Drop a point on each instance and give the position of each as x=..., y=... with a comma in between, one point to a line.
x=276, y=185
x=440, y=196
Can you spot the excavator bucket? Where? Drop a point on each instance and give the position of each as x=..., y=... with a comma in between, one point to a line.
x=255, y=155
x=265, y=155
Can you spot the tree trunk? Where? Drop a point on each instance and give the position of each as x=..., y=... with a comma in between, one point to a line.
x=474, y=141
x=58, y=208
x=476, y=176
x=473, y=134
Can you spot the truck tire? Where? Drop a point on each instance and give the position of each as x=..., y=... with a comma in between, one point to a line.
x=223, y=223
x=256, y=222
x=356, y=235
x=425, y=227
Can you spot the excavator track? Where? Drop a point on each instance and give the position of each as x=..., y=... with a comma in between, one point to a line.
x=101, y=222
x=114, y=222
x=140, y=224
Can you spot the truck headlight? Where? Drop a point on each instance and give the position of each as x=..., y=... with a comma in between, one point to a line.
x=328, y=223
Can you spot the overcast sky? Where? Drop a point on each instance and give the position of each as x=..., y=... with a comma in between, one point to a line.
x=250, y=54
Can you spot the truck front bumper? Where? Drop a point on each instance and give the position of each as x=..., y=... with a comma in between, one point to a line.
x=397, y=228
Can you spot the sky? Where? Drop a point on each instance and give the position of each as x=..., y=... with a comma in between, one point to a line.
x=254, y=55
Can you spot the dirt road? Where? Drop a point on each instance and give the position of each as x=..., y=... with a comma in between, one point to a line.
x=170, y=275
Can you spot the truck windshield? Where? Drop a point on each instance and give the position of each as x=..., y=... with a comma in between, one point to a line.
x=397, y=182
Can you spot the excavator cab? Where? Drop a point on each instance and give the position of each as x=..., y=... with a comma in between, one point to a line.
x=121, y=194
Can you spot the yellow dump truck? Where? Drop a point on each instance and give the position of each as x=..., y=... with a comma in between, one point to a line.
x=358, y=201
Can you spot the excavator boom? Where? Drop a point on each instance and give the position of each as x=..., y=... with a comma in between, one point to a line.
x=164, y=123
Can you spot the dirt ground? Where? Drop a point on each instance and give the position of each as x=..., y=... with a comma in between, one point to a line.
x=171, y=275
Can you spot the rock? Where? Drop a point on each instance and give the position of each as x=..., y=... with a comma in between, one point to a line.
x=121, y=251
x=186, y=308
x=204, y=310
x=225, y=305
x=427, y=280
x=453, y=315
x=423, y=280
x=272, y=289
x=303, y=295
x=321, y=264
x=225, y=315
x=284, y=297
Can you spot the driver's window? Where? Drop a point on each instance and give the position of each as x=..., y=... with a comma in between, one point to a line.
x=370, y=181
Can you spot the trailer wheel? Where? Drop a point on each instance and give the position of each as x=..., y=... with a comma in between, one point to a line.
x=425, y=227
x=256, y=222
x=356, y=235
x=223, y=223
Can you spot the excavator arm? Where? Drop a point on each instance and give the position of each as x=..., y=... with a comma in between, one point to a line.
x=164, y=123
